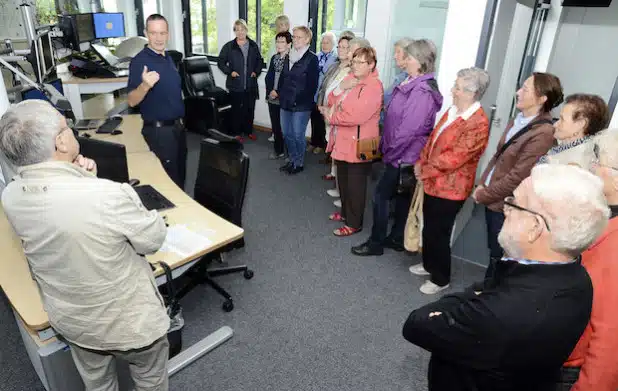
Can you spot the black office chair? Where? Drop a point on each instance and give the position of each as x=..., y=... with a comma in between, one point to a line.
x=176, y=57
x=206, y=105
x=222, y=177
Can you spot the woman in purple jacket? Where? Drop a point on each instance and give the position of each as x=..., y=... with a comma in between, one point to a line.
x=410, y=117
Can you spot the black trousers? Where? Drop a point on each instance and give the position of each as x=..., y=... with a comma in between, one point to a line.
x=169, y=144
x=438, y=219
x=318, y=129
x=494, y=221
x=385, y=190
x=242, y=113
x=352, y=181
x=275, y=119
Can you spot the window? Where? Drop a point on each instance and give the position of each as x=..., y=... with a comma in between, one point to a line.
x=143, y=9
x=336, y=16
x=200, y=27
x=261, y=15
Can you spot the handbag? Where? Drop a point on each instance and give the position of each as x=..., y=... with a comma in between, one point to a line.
x=412, y=234
x=174, y=311
x=407, y=179
x=367, y=149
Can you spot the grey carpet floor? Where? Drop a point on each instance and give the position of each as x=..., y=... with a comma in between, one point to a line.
x=314, y=317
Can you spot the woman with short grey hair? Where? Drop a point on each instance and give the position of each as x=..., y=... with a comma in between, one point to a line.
x=447, y=169
x=400, y=60
x=410, y=116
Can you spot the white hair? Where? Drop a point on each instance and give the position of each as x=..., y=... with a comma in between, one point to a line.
x=330, y=35
x=476, y=80
x=360, y=42
x=403, y=42
x=28, y=132
x=574, y=205
x=607, y=144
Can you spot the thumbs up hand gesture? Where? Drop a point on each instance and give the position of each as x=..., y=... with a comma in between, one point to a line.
x=150, y=78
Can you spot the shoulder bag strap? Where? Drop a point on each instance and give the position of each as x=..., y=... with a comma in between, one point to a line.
x=358, y=126
x=521, y=133
x=171, y=290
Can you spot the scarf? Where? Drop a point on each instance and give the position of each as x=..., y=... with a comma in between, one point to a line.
x=322, y=58
x=296, y=55
x=561, y=148
x=278, y=62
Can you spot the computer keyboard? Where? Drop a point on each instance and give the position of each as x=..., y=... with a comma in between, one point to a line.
x=152, y=199
x=109, y=125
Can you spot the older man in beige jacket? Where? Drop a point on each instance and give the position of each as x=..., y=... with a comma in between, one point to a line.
x=83, y=237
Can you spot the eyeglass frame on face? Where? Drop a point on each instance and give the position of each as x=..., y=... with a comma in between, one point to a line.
x=357, y=62
x=299, y=37
x=510, y=202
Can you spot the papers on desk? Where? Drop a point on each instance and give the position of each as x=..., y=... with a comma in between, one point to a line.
x=184, y=242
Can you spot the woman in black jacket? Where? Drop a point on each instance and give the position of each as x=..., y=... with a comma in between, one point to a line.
x=241, y=61
x=299, y=82
x=273, y=76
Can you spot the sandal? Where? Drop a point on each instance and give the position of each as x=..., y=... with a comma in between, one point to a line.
x=346, y=231
x=336, y=217
x=328, y=177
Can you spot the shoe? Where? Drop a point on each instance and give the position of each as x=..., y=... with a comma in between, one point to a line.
x=274, y=156
x=429, y=288
x=418, y=270
x=336, y=217
x=328, y=177
x=240, y=139
x=293, y=170
x=333, y=193
x=394, y=244
x=337, y=203
x=318, y=150
x=272, y=138
x=346, y=231
x=367, y=249
x=252, y=137
x=286, y=166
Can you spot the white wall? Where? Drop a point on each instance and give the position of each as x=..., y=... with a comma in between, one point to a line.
x=585, y=55
x=464, y=23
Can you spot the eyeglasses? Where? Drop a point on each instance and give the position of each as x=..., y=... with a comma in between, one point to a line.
x=358, y=62
x=298, y=36
x=510, y=203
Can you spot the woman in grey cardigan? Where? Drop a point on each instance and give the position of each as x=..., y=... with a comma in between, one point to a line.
x=582, y=116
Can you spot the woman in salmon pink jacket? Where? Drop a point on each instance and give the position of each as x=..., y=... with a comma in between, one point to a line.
x=447, y=168
x=354, y=114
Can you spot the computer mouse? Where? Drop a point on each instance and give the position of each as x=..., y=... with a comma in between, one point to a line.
x=116, y=132
x=133, y=182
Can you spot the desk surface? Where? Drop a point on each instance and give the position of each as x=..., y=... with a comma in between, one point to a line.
x=68, y=78
x=22, y=291
x=131, y=136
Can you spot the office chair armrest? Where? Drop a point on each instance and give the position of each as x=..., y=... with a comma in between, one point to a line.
x=222, y=137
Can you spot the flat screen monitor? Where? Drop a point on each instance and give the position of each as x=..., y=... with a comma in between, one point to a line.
x=33, y=93
x=108, y=25
x=586, y=3
x=85, y=27
x=111, y=158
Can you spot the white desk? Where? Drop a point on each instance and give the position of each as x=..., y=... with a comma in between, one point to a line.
x=74, y=87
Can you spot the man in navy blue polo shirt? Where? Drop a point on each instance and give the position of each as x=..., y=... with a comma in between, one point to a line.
x=154, y=85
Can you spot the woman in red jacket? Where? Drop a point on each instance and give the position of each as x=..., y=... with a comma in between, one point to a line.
x=354, y=114
x=448, y=168
x=593, y=364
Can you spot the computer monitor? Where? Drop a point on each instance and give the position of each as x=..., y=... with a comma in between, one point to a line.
x=33, y=93
x=111, y=158
x=105, y=54
x=108, y=25
x=76, y=29
x=85, y=27
x=42, y=56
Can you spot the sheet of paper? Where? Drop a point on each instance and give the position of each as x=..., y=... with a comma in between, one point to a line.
x=184, y=242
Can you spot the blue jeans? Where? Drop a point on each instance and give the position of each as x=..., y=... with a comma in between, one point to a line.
x=294, y=126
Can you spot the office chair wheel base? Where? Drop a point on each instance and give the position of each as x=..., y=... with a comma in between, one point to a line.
x=228, y=305
x=248, y=274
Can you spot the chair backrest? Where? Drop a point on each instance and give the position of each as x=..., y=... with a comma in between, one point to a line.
x=197, y=76
x=222, y=176
x=176, y=57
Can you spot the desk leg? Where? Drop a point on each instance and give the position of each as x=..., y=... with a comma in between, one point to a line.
x=71, y=92
x=188, y=356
